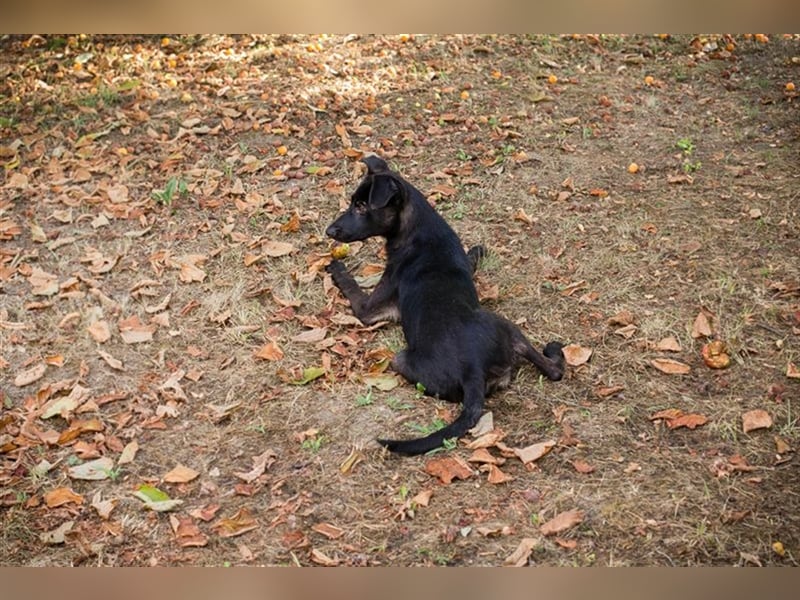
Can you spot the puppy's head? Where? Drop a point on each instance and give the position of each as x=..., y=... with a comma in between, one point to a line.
x=374, y=207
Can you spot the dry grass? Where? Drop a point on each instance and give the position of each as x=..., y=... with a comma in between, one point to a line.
x=657, y=249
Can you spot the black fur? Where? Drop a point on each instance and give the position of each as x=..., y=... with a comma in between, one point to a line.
x=456, y=350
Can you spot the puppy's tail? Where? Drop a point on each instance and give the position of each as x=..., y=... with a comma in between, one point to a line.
x=470, y=413
x=550, y=361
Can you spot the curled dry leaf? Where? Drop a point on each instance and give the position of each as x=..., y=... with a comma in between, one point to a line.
x=103, y=507
x=311, y=336
x=671, y=367
x=484, y=425
x=94, y=470
x=128, y=453
x=270, y=351
x=242, y=522
x=483, y=456
x=576, y=355
x=792, y=372
x=756, y=419
x=31, y=374
x=260, y=464
x=487, y=440
x=562, y=522
x=133, y=331
x=187, y=532
x=329, y=531
x=112, y=362
x=581, y=466
x=715, y=354
x=100, y=331
x=276, y=249
x=622, y=319
x=422, y=498
x=675, y=417
x=534, y=452
x=520, y=556
x=496, y=476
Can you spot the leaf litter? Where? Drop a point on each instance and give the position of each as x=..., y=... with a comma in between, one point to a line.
x=236, y=269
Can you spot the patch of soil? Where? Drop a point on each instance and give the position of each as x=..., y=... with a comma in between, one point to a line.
x=164, y=301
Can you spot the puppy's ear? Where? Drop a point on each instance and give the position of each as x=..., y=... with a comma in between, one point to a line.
x=384, y=188
x=375, y=164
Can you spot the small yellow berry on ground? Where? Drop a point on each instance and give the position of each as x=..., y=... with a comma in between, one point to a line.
x=552, y=79
x=464, y=95
x=790, y=87
x=282, y=150
x=633, y=168
x=649, y=80
x=340, y=251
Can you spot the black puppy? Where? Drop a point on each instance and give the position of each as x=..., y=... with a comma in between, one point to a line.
x=456, y=350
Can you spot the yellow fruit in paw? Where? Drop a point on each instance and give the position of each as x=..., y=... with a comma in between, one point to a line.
x=340, y=251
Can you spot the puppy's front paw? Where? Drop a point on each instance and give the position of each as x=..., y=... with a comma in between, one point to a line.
x=335, y=267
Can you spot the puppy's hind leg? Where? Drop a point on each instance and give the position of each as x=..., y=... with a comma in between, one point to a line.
x=475, y=255
x=550, y=361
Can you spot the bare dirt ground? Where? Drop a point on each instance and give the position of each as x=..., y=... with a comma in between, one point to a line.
x=182, y=385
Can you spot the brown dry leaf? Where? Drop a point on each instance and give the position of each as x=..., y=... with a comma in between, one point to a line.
x=487, y=440
x=276, y=249
x=242, y=522
x=756, y=419
x=667, y=413
x=187, y=532
x=715, y=354
x=448, y=468
x=261, y=463
x=422, y=498
x=103, y=507
x=534, y=452
x=669, y=344
x=581, y=466
x=112, y=362
x=521, y=215
x=100, y=331
x=782, y=446
x=671, y=367
x=622, y=319
x=128, y=453
x=484, y=425
x=496, y=476
x=65, y=405
x=189, y=267
x=792, y=372
x=133, y=331
x=329, y=531
x=61, y=496
x=690, y=421
x=31, y=374
x=483, y=456
x=608, y=391
x=270, y=351
x=702, y=324
x=562, y=522
x=576, y=355
x=311, y=336
x=520, y=556
x=43, y=283
x=319, y=557
x=627, y=332
x=181, y=474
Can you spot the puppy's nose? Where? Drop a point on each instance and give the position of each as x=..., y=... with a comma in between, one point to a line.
x=332, y=231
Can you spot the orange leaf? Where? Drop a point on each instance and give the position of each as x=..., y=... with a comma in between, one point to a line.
x=520, y=556
x=690, y=421
x=61, y=496
x=669, y=344
x=240, y=523
x=702, y=325
x=270, y=351
x=187, y=532
x=576, y=355
x=181, y=474
x=756, y=419
x=582, y=466
x=329, y=531
x=671, y=367
x=534, y=451
x=497, y=476
x=448, y=468
x=562, y=522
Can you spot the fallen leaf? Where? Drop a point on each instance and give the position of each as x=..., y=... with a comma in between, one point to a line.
x=181, y=474
x=668, y=344
x=94, y=470
x=534, y=452
x=520, y=556
x=622, y=319
x=61, y=496
x=384, y=383
x=422, y=498
x=155, y=499
x=319, y=557
x=31, y=374
x=43, y=283
x=487, y=440
x=329, y=531
x=484, y=425
x=270, y=351
x=133, y=331
x=100, y=331
x=496, y=476
x=756, y=419
x=483, y=456
x=189, y=269
x=576, y=355
x=608, y=391
x=448, y=468
x=702, y=325
x=65, y=405
x=103, y=507
x=242, y=522
x=311, y=336
x=690, y=421
x=581, y=466
x=260, y=464
x=57, y=535
x=671, y=367
x=309, y=375
x=562, y=522
x=112, y=362
x=792, y=372
x=715, y=355
x=128, y=453
x=187, y=532
x=276, y=249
